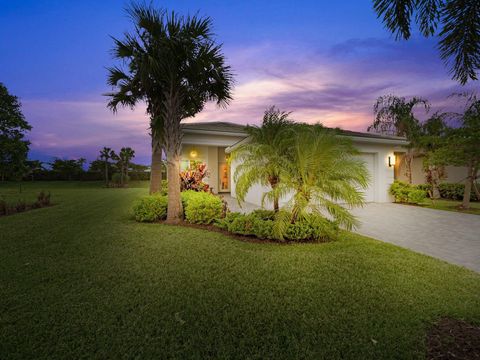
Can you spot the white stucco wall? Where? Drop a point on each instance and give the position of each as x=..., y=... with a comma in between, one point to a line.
x=382, y=175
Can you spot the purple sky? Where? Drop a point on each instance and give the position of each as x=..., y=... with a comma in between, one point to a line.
x=324, y=61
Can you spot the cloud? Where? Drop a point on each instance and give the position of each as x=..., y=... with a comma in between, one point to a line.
x=336, y=86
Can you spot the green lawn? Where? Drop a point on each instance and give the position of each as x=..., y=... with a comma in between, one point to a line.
x=451, y=205
x=82, y=280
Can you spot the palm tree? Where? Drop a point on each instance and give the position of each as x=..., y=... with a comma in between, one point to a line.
x=394, y=116
x=262, y=158
x=323, y=172
x=138, y=83
x=459, y=42
x=106, y=154
x=176, y=66
x=126, y=154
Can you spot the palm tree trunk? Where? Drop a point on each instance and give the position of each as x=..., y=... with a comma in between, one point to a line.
x=435, y=181
x=408, y=166
x=468, y=186
x=174, y=209
x=156, y=168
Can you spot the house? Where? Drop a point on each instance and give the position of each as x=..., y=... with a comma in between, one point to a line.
x=211, y=142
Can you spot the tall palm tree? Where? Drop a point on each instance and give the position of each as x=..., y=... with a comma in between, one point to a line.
x=138, y=82
x=323, y=172
x=176, y=66
x=126, y=154
x=107, y=154
x=455, y=22
x=262, y=158
x=395, y=116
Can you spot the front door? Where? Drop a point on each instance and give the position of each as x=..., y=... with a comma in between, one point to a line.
x=223, y=177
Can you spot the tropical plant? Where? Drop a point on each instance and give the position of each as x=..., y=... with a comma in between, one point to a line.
x=261, y=160
x=107, y=154
x=13, y=146
x=323, y=172
x=394, y=115
x=181, y=69
x=192, y=178
x=455, y=22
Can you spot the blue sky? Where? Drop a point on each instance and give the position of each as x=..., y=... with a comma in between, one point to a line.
x=324, y=60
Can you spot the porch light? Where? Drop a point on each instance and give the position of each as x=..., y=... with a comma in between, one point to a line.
x=391, y=161
x=193, y=153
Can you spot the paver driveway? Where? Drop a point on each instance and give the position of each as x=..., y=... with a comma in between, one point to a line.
x=446, y=235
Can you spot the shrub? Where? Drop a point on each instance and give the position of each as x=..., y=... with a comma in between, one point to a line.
x=260, y=223
x=406, y=193
x=151, y=208
x=117, y=179
x=192, y=178
x=223, y=223
x=201, y=207
x=416, y=196
x=455, y=191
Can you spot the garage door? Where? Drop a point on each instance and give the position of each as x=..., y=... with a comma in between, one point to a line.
x=369, y=160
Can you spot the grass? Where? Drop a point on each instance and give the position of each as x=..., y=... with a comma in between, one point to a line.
x=82, y=280
x=451, y=205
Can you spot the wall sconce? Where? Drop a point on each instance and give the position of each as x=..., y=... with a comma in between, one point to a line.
x=391, y=161
x=193, y=153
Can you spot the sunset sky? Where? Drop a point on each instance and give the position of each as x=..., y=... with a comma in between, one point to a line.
x=326, y=61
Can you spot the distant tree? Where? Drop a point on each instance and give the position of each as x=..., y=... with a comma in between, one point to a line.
x=177, y=67
x=34, y=167
x=261, y=160
x=394, y=115
x=107, y=154
x=13, y=146
x=68, y=169
x=455, y=22
x=124, y=156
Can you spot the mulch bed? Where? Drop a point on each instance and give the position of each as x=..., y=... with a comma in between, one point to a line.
x=453, y=339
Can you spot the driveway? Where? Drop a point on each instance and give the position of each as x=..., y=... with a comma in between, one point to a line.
x=446, y=235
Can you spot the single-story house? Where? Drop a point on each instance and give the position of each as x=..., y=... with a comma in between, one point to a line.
x=211, y=142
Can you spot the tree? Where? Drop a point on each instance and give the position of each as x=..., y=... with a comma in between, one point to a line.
x=68, y=169
x=430, y=143
x=455, y=22
x=139, y=52
x=107, y=154
x=395, y=116
x=124, y=156
x=263, y=157
x=34, y=167
x=13, y=146
x=177, y=67
x=323, y=173
x=463, y=149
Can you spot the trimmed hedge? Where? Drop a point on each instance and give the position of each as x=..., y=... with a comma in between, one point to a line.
x=151, y=208
x=260, y=223
x=450, y=191
x=201, y=207
x=198, y=207
x=406, y=193
x=206, y=208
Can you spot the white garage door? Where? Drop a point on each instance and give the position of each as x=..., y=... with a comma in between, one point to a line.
x=369, y=160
